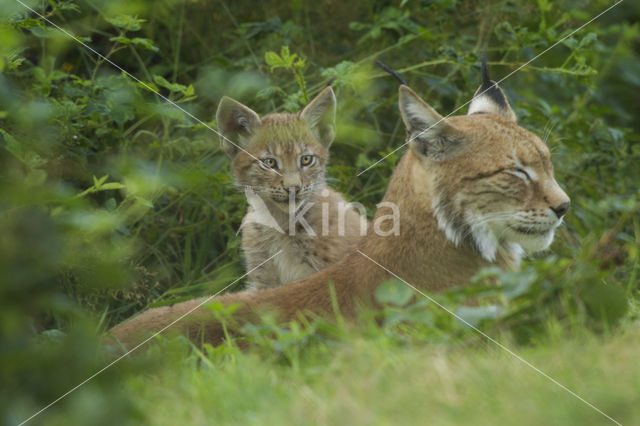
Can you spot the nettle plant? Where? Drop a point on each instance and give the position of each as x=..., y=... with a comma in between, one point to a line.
x=295, y=65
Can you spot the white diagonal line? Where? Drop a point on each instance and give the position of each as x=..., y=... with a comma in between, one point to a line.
x=498, y=82
x=146, y=86
x=492, y=340
x=145, y=341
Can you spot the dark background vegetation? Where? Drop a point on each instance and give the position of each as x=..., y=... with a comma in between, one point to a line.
x=112, y=200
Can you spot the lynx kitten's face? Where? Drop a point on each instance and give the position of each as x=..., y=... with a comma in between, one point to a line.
x=279, y=156
x=282, y=160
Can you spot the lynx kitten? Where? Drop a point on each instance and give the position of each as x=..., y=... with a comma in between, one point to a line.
x=280, y=160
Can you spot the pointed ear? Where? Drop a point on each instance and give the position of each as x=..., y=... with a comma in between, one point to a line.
x=427, y=132
x=489, y=98
x=320, y=114
x=236, y=123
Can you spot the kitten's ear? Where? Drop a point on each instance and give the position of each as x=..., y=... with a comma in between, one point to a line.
x=320, y=114
x=489, y=98
x=428, y=133
x=236, y=123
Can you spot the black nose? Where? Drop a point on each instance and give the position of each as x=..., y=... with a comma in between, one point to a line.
x=561, y=209
x=293, y=189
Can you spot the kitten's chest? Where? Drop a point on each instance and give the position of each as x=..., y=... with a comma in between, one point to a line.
x=296, y=259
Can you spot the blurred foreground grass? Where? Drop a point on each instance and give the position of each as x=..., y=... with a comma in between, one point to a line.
x=370, y=380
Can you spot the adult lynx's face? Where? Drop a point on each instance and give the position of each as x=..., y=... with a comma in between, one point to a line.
x=493, y=180
x=282, y=155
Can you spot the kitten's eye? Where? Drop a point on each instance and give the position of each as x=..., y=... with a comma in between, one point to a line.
x=307, y=160
x=269, y=163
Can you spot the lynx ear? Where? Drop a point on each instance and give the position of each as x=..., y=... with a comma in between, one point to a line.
x=236, y=123
x=320, y=114
x=428, y=133
x=489, y=98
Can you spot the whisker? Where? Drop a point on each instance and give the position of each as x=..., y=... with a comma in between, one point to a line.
x=551, y=128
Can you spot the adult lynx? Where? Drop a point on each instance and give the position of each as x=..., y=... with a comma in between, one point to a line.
x=472, y=191
x=281, y=167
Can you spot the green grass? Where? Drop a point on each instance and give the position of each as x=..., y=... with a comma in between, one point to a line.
x=370, y=381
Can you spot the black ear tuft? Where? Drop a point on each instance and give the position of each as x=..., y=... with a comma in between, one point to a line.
x=489, y=87
x=486, y=80
x=393, y=73
x=489, y=98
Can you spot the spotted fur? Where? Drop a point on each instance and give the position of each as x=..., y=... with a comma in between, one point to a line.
x=286, y=138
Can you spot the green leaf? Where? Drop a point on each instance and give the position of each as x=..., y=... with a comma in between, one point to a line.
x=126, y=22
x=274, y=61
x=394, y=292
x=286, y=56
x=172, y=87
x=474, y=315
x=112, y=185
x=299, y=63
x=147, y=85
x=588, y=39
x=120, y=39
x=97, y=183
x=39, y=75
x=189, y=91
x=29, y=23
x=571, y=43
x=57, y=75
x=362, y=161
x=144, y=43
x=68, y=5
x=141, y=42
x=143, y=201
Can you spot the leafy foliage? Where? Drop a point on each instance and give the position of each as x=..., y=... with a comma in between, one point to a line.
x=113, y=199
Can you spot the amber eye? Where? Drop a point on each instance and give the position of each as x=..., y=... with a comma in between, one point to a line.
x=306, y=160
x=269, y=163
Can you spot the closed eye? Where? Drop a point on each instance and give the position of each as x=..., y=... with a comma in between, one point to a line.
x=519, y=172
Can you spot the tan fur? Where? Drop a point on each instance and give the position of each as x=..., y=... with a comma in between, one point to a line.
x=303, y=253
x=462, y=199
x=334, y=227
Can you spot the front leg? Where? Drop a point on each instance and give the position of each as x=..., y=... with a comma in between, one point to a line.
x=257, y=248
x=265, y=276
